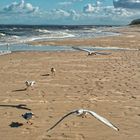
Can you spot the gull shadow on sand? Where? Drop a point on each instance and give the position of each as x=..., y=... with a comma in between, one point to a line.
x=20, y=106
x=15, y=124
x=45, y=74
x=24, y=89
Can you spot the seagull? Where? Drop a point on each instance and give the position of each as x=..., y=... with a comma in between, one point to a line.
x=83, y=113
x=91, y=52
x=27, y=116
x=29, y=84
x=53, y=71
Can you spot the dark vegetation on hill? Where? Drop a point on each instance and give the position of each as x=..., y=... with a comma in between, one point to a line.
x=135, y=22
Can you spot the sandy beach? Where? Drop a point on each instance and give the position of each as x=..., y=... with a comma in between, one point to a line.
x=108, y=85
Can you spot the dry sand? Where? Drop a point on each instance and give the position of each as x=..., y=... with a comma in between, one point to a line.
x=108, y=85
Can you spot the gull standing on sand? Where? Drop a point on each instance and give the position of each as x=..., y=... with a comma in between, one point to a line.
x=53, y=71
x=29, y=84
x=82, y=113
x=91, y=52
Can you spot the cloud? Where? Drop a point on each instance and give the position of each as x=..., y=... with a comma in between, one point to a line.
x=57, y=14
x=62, y=15
x=89, y=8
x=99, y=10
x=116, y=11
x=131, y=4
x=98, y=2
x=107, y=14
x=77, y=0
x=92, y=8
x=20, y=7
x=91, y=13
x=65, y=3
x=74, y=15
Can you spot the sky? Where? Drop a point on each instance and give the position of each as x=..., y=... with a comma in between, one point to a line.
x=69, y=12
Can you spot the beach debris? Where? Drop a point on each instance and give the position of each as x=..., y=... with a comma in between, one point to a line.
x=82, y=113
x=91, y=52
x=29, y=84
x=53, y=71
x=28, y=116
x=15, y=124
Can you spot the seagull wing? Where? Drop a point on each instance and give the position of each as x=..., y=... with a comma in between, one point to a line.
x=72, y=112
x=102, y=53
x=82, y=49
x=102, y=119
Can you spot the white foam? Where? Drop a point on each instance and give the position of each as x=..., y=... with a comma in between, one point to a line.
x=53, y=35
x=4, y=52
x=42, y=30
x=2, y=34
x=15, y=37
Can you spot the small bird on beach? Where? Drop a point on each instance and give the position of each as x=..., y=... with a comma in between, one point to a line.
x=82, y=113
x=53, y=71
x=91, y=52
x=29, y=84
x=27, y=116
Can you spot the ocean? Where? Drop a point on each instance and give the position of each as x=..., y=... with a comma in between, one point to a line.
x=15, y=37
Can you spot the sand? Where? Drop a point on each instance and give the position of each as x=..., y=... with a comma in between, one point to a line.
x=108, y=85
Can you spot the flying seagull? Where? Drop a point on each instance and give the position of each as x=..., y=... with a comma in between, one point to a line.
x=29, y=84
x=91, y=52
x=27, y=116
x=83, y=113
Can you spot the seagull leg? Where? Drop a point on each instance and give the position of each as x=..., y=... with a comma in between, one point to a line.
x=93, y=54
x=27, y=88
x=53, y=73
x=29, y=122
x=84, y=116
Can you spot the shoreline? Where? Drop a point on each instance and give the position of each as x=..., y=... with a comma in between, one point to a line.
x=127, y=35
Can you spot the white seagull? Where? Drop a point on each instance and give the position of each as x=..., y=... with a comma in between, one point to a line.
x=83, y=113
x=91, y=52
x=29, y=84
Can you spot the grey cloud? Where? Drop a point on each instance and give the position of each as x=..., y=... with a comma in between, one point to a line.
x=130, y=4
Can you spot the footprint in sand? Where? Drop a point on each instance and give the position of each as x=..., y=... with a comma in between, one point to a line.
x=80, y=137
x=98, y=84
x=26, y=131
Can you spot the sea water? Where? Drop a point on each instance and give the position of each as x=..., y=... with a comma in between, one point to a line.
x=15, y=37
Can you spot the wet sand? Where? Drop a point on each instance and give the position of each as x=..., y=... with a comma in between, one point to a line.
x=108, y=85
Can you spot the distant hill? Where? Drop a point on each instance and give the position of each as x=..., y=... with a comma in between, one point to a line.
x=135, y=22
